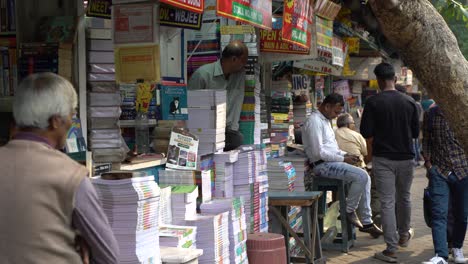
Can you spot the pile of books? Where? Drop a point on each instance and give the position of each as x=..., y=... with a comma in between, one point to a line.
x=132, y=207
x=184, y=203
x=177, y=236
x=237, y=225
x=282, y=175
x=281, y=117
x=224, y=182
x=207, y=119
x=212, y=237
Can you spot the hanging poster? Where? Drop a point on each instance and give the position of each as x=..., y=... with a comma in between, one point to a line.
x=338, y=52
x=254, y=12
x=297, y=22
x=182, y=151
x=324, y=31
x=137, y=63
x=342, y=87
x=99, y=8
x=134, y=23
x=322, y=64
x=175, y=17
x=327, y=9
x=190, y=5
x=271, y=40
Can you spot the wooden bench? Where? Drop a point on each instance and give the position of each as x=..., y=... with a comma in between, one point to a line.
x=309, y=240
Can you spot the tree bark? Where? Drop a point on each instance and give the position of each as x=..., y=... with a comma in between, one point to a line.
x=430, y=49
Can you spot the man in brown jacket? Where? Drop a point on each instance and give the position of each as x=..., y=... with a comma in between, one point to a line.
x=46, y=198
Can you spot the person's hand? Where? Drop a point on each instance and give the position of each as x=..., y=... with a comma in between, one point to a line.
x=351, y=159
x=83, y=249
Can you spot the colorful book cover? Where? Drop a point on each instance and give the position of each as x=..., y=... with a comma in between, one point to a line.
x=173, y=98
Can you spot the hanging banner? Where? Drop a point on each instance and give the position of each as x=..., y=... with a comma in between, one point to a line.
x=175, y=17
x=99, y=8
x=322, y=64
x=324, y=32
x=137, y=62
x=338, y=52
x=271, y=40
x=297, y=23
x=190, y=5
x=135, y=23
x=327, y=9
x=254, y=12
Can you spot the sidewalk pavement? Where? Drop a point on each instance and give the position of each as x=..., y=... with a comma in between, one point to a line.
x=420, y=247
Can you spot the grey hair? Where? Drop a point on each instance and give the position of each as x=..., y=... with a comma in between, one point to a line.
x=344, y=120
x=41, y=96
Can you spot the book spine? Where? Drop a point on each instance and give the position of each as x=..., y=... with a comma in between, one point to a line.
x=3, y=14
x=6, y=71
x=11, y=16
x=13, y=71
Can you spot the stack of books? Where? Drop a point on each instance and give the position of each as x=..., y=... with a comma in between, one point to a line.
x=299, y=162
x=184, y=203
x=261, y=182
x=9, y=71
x=281, y=117
x=224, y=182
x=165, y=206
x=132, y=207
x=282, y=175
x=244, y=171
x=237, y=225
x=202, y=179
x=207, y=119
x=212, y=237
x=301, y=112
x=100, y=54
x=162, y=135
x=177, y=236
x=249, y=124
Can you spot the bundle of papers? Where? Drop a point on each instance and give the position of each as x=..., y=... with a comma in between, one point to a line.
x=176, y=177
x=132, y=208
x=237, y=225
x=184, y=203
x=177, y=236
x=165, y=206
x=212, y=237
x=282, y=175
x=299, y=162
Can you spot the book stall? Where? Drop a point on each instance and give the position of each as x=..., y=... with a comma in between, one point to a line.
x=155, y=148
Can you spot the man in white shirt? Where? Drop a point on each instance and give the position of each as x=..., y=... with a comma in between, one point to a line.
x=327, y=160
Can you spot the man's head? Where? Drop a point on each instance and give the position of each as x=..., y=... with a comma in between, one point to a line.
x=234, y=57
x=45, y=103
x=385, y=74
x=332, y=105
x=345, y=120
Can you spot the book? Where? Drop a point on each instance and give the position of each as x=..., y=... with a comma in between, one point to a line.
x=173, y=98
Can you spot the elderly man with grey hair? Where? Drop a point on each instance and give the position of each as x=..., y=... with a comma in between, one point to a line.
x=49, y=204
x=349, y=140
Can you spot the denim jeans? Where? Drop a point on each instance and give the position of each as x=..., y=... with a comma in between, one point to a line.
x=359, y=191
x=443, y=190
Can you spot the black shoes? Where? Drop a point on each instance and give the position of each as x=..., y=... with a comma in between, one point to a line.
x=353, y=219
x=372, y=229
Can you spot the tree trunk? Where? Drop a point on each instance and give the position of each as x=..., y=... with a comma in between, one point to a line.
x=430, y=49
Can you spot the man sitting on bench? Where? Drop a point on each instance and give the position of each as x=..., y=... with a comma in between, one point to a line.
x=328, y=161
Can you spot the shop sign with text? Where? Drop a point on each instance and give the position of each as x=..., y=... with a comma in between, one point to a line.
x=175, y=17
x=322, y=64
x=297, y=22
x=254, y=12
x=190, y=5
x=271, y=40
x=99, y=8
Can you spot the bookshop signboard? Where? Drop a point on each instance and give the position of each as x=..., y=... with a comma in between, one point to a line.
x=190, y=5
x=297, y=23
x=254, y=12
x=99, y=8
x=175, y=17
x=271, y=40
x=322, y=64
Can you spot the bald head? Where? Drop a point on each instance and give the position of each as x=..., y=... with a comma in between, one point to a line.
x=234, y=57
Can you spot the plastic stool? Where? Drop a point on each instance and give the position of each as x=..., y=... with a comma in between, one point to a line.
x=346, y=241
x=266, y=248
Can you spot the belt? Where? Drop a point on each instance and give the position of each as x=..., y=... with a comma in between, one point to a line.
x=318, y=162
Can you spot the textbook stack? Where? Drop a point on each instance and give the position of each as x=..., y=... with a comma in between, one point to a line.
x=237, y=225
x=177, y=236
x=281, y=117
x=183, y=203
x=207, y=119
x=132, y=207
x=224, y=180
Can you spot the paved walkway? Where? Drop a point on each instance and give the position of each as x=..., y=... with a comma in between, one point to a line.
x=420, y=248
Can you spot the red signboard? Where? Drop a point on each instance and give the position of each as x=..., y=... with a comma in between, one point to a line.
x=297, y=22
x=271, y=41
x=254, y=12
x=190, y=5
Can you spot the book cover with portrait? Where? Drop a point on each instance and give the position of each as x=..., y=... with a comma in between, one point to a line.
x=173, y=98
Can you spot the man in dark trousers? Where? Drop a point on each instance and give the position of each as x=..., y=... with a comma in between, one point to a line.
x=389, y=123
x=447, y=166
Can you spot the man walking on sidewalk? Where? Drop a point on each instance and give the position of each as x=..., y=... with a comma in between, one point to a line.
x=389, y=123
x=447, y=167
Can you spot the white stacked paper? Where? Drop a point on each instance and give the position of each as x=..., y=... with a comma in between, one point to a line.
x=184, y=203
x=165, y=206
x=177, y=236
x=299, y=163
x=207, y=119
x=176, y=177
x=132, y=208
x=282, y=175
x=212, y=237
x=237, y=225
